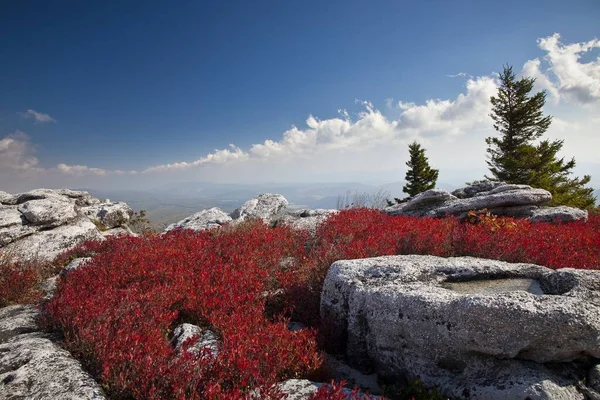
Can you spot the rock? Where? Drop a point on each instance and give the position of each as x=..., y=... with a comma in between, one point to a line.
x=10, y=216
x=298, y=389
x=5, y=198
x=119, y=231
x=264, y=206
x=75, y=264
x=110, y=215
x=467, y=323
x=48, y=212
x=205, y=219
x=303, y=389
x=560, y=214
x=477, y=187
x=428, y=199
x=594, y=377
x=518, y=201
x=49, y=287
x=46, y=245
x=307, y=220
x=353, y=377
x=32, y=366
x=205, y=339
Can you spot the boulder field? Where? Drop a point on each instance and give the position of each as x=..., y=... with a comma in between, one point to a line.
x=476, y=329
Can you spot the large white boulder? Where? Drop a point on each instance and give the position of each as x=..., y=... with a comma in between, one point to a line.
x=48, y=212
x=46, y=245
x=478, y=329
x=205, y=219
x=265, y=206
x=109, y=215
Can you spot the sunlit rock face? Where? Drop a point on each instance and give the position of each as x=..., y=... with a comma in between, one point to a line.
x=478, y=329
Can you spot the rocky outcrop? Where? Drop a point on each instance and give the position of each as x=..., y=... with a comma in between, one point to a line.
x=42, y=223
x=110, y=215
x=477, y=329
x=205, y=219
x=270, y=208
x=33, y=366
x=265, y=206
x=519, y=201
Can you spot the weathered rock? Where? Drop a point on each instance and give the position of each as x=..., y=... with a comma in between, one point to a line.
x=5, y=198
x=518, y=201
x=206, y=340
x=428, y=199
x=560, y=214
x=306, y=219
x=467, y=323
x=123, y=230
x=110, y=215
x=73, y=265
x=299, y=389
x=46, y=245
x=33, y=367
x=205, y=219
x=474, y=189
x=265, y=206
x=10, y=216
x=48, y=212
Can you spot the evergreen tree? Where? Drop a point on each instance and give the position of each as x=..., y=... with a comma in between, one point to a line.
x=514, y=158
x=420, y=176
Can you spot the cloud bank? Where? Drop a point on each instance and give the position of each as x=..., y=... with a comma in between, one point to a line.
x=371, y=141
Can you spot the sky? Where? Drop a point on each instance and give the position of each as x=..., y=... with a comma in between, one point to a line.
x=131, y=94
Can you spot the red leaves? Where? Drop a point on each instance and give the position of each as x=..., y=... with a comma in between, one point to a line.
x=118, y=313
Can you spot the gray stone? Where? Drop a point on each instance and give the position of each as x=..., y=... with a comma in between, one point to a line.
x=427, y=199
x=75, y=264
x=48, y=212
x=205, y=219
x=403, y=319
x=475, y=188
x=119, y=231
x=206, y=340
x=32, y=366
x=265, y=206
x=110, y=215
x=5, y=198
x=299, y=389
x=46, y=245
x=10, y=216
x=560, y=214
x=305, y=219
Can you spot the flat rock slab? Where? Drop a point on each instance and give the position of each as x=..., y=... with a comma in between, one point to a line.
x=32, y=366
x=455, y=321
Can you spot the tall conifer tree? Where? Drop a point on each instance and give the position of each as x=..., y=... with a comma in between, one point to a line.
x=420, y=176
x=514, y=157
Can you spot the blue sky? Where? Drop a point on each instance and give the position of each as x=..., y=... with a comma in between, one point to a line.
x=136, y=92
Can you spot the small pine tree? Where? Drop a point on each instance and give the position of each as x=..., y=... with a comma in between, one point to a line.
x=514, y=158
x=420, y=176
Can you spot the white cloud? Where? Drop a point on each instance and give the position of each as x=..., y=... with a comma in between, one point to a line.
x=567, y=77
x=37, y=116
x=218, y=157
x=17, y=153
x=371, y=143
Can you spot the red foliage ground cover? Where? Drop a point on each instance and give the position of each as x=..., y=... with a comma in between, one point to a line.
x=118, y=313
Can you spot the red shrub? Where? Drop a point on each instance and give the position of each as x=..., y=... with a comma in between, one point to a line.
x=118, y=313
x=18, y=283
